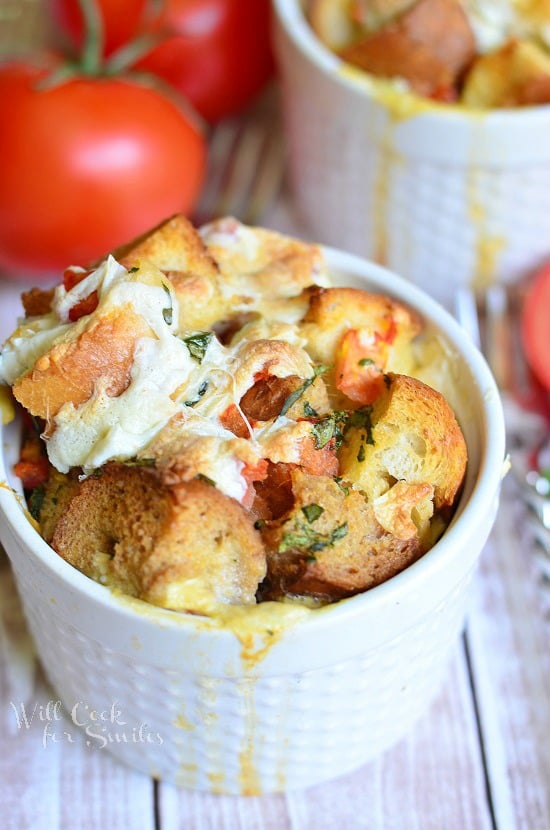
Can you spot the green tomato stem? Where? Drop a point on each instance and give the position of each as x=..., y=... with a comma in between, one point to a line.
x=92, y=51
x=129, y=54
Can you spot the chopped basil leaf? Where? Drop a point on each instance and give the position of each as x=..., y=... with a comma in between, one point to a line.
x=206, y=480
x=329, y=427
x=323, y=432
x=198, y=344
x=139, y=462
x=305, y=537
x=133, y=269
x=301, y=538
x=339, y=532
x=201, y=390
x=343, y=487
x=361, y=453
x=366, y=361
x=309, y=411
x=312, y=512
x=362, y=419
x=336, y=424
x=36, y=500
x=297, y=394
x=167, y=312
x=294, y=396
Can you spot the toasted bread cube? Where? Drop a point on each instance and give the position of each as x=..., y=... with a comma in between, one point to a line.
x=331, y=544
x=516, y=74
x=430, y=45
x=101, y=351
x=410, y=433
x=332, y=22
x=333, y=312
x=176, y=248
x=173, y=245
x=339, y=22
x=261, y=266
x=183, y=547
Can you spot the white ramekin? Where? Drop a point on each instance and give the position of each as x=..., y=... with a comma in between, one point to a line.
x=442, y=195
x=289, y=706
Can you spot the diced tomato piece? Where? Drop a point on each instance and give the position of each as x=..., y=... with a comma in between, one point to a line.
x=359, y=366
x=262, y=374
x=446, y=94
x=321, y=462
x=32, y=473
x=85, y=306
x=251, y=473
x=255, y=472
x=72, y=277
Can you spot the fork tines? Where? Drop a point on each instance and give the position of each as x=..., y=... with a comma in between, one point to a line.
x=492, y=318
x=246, y=163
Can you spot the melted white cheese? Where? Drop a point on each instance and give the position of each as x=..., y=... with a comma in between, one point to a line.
x=165, y=378
x=105, y=427
x=495, y=21
x=29, y=341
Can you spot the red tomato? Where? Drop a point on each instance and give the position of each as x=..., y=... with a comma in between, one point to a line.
x=536, y=325
x=32, y=473
x=89, y=164
x=217, y=53
x=121, y=21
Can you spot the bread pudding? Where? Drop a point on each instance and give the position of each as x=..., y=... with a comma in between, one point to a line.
x=481, y=53
x=210, y=421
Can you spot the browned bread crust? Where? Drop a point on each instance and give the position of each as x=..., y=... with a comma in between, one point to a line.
x=151, y=541
x=101, y=353
x=430, y=45
x=330, y=544
x=37, y=301
x=173, y=245
x=409, y=434
x=334, y=311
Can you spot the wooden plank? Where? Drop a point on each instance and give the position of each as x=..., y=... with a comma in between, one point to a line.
x=49, y=778
x=508, y=636
x=29, y=791
x=187, y=810
x=98, y=792
x=433, y=779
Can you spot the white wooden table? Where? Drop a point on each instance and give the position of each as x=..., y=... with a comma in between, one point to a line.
x=478, y=760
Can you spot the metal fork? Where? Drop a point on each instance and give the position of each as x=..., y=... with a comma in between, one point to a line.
x=246, y=165
x=492, y=319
